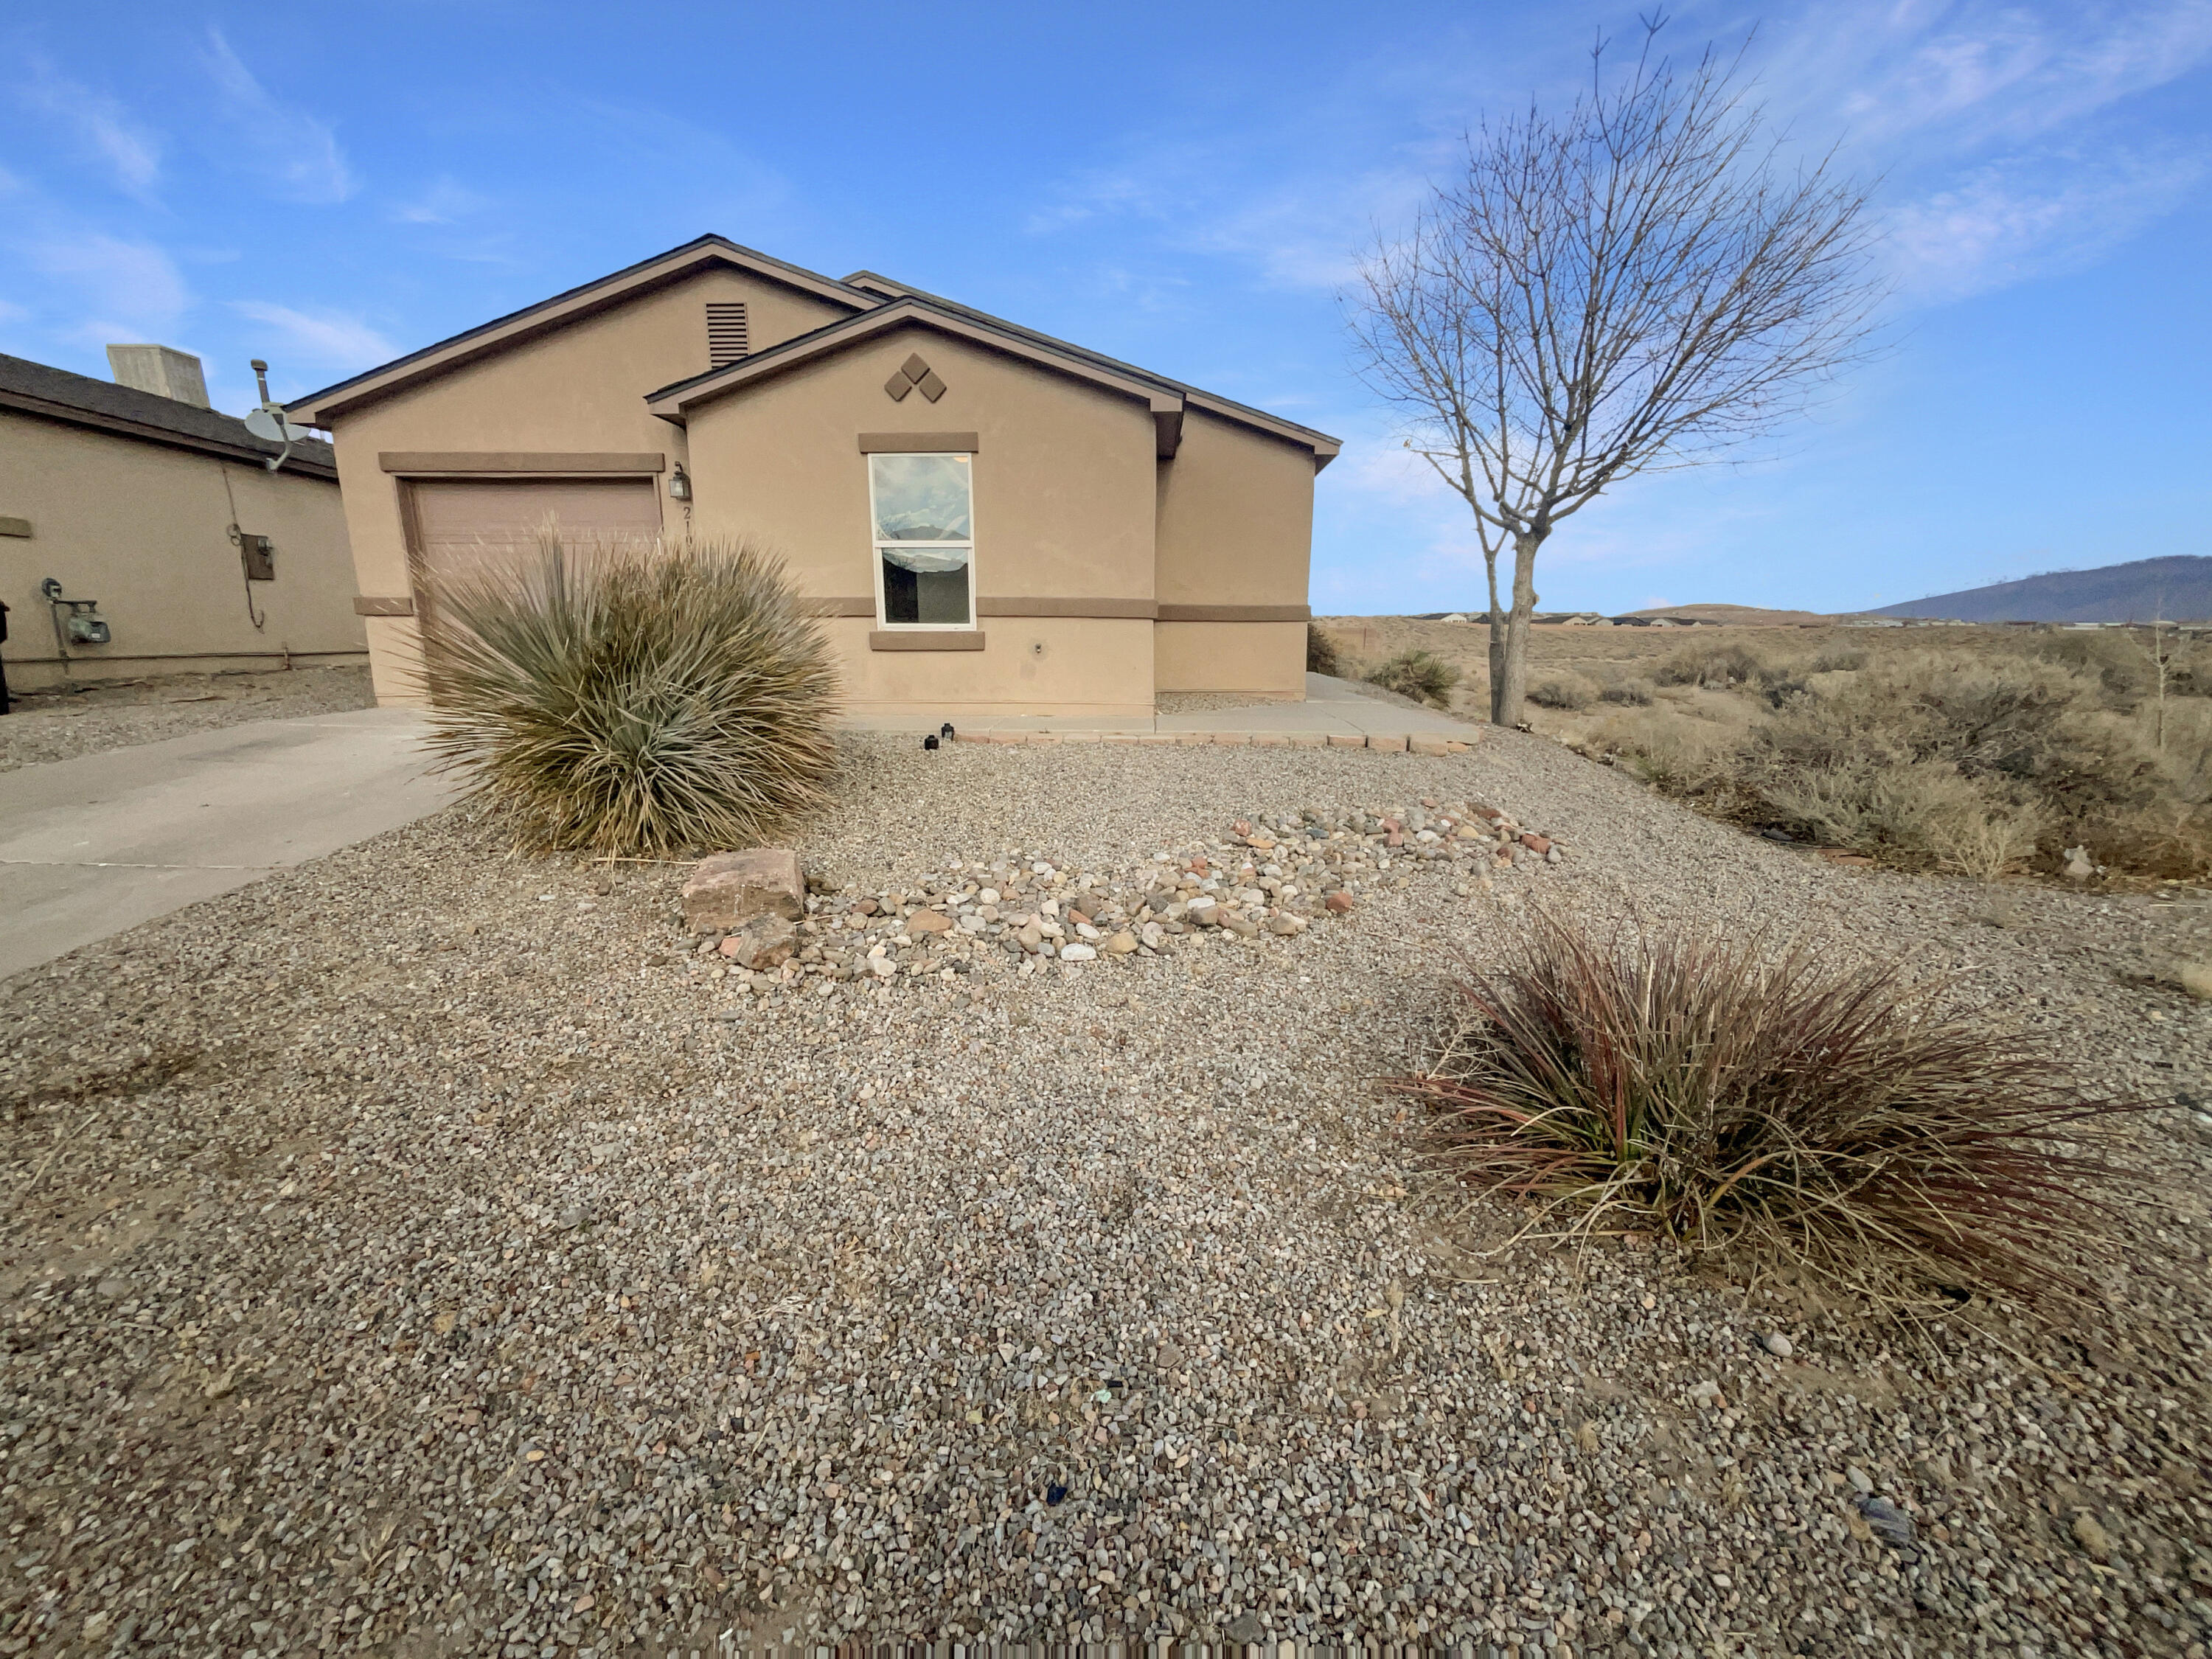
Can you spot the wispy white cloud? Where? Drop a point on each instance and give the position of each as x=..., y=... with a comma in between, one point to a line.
x=444, y=203
x=120, y=288
x=2003, y=129
x=319, y=339
x=1983, y=70
x=1991, y=122
x=2007, y=223
x=296, y=152
x=101, y=124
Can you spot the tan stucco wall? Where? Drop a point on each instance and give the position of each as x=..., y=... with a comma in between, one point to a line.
x=1267, y=657
x=144, y=529
x=1236, y=517
x=577, y=389
x=1065, y=665
x=1235, y=527
x=1064, y=501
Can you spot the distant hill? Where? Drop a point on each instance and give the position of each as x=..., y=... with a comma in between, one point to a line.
x=2178, y=588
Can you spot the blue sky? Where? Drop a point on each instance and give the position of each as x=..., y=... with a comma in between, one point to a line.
x=1183, y=186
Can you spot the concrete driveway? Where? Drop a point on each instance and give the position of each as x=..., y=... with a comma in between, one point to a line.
x=92, y=846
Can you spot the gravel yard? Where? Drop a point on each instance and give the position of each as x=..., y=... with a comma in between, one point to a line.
x=426, y=1251
x=51, y=725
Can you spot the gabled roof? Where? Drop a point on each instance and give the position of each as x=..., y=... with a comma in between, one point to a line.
x=877, y=302
x=705, y=251
x=1166, y=398
x=1324, y=447
x=81, y=400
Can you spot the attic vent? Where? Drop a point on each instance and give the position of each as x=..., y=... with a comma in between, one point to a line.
x=726, y=333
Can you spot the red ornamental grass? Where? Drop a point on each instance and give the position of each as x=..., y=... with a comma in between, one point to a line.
x=1738, y=1098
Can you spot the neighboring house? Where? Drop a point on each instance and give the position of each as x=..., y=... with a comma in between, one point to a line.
x=141, y=498
x=991, y=520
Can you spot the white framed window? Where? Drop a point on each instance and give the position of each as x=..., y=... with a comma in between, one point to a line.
x=923, y=508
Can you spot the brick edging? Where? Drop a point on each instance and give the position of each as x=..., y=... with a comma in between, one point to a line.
x=1396, y=745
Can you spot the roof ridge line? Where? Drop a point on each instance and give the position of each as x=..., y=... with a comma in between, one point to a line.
x=710, y=240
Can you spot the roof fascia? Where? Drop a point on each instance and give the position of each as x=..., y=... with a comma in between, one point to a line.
x=1325, y=447
x=318, y=408
x=673, y=403
x=123, y=427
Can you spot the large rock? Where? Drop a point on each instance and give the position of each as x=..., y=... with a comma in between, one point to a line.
x=728, y=888
x=760, y=943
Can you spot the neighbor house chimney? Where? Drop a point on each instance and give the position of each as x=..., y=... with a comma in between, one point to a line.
x=163, y=370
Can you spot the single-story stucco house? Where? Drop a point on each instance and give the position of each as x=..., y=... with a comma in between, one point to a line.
x=992, y=521
x=142, y=532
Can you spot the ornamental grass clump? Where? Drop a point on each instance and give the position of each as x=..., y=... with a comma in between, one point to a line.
x=632, y=699
x=1755, y=1103
x=1421, y=675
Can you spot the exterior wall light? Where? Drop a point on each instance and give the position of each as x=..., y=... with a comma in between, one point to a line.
x=679, y=484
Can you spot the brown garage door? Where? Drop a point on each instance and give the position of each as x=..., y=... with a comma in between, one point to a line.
x=460, y=527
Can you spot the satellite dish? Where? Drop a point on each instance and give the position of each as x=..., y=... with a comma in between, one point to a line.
x=271, y=428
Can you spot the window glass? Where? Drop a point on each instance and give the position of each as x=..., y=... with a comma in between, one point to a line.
x=922, y=498
x=924, y=539
x=938, y=597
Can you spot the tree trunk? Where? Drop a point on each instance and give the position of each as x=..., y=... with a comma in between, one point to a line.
x=1510, y=683
x=1497, y=632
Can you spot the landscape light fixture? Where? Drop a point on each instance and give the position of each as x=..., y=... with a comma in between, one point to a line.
x=679, y=484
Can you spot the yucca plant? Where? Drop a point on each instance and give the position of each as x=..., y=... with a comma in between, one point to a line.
x=1739, y=1098
x=632, y=699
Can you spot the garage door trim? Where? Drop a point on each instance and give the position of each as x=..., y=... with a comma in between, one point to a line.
x=503, y=463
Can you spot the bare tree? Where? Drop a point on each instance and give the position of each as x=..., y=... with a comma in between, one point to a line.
x=2169, y=653
x=1639, y=285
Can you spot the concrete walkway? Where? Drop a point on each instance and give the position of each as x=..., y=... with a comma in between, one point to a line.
x=92, y=846
x=1332, y=707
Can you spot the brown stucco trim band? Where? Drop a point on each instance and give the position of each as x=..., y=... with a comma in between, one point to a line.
x=365, y=606
x=838, y=607
x=1138, y=609
x=1236, y=613
x=924, y=638
x=919, y=443
x=408, y=463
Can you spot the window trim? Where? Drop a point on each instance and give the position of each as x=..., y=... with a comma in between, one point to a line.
x=876, y=548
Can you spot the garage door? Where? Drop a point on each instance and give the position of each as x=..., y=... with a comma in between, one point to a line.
x=460, y=528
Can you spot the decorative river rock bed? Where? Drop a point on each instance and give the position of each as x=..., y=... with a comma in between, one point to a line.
x=1022, y=912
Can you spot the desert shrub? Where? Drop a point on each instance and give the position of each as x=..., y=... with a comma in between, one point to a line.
x=1743, y=1101
x=1629, y=693
x=2120, y=668
x=1907, y=757
x=1676, y=754
x=1777, y=685
x=1321, y=651
x=1838, y=662
x=633, y=700
x=1419, y=674
x=1694, y=664
x=1563, y=691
